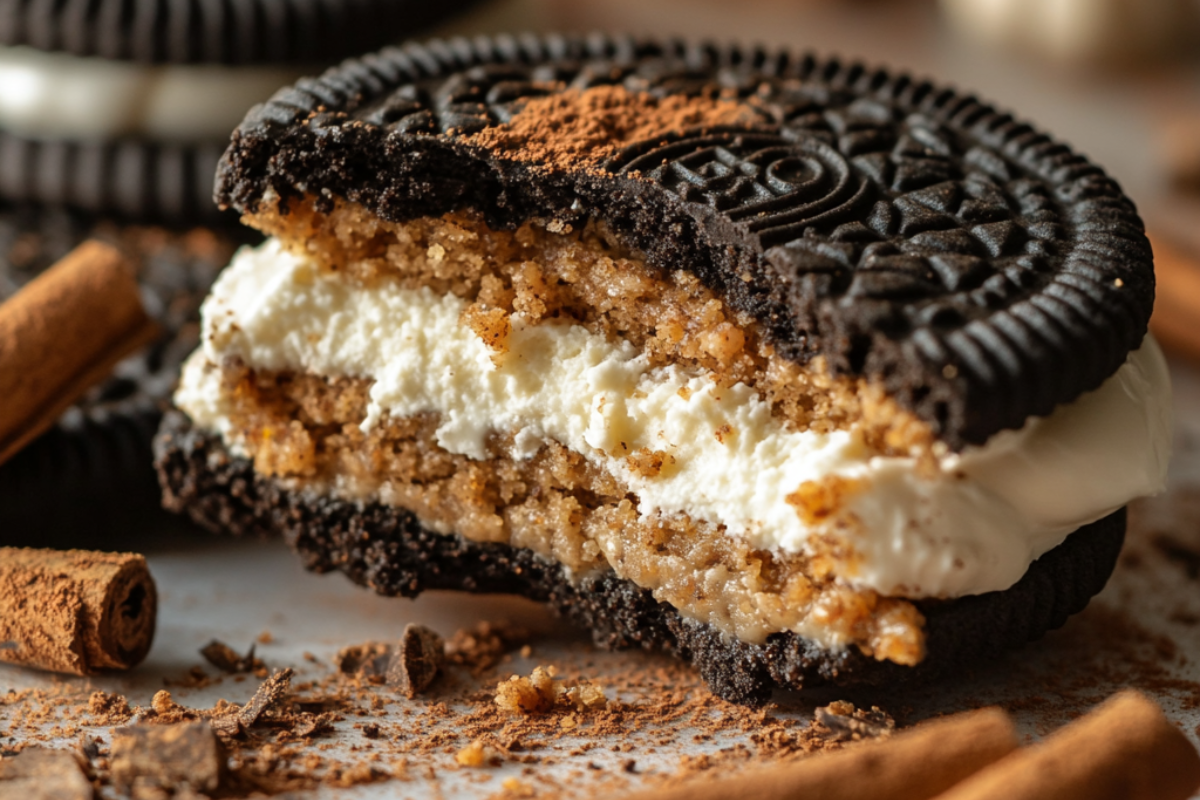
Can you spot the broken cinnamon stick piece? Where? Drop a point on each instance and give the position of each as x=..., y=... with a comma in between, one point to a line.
x=1124, y=750
x=75, y=611
x=1176, y=319
x=62, y=333
x=913, y=765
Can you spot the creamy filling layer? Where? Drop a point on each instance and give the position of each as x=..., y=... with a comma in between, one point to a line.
x=61, y=96
x=683, y=444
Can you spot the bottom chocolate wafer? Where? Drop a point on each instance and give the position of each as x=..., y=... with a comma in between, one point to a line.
x=385, y=548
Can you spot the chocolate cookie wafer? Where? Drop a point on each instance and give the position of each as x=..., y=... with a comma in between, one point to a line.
x=773, y=362
x=124, y=106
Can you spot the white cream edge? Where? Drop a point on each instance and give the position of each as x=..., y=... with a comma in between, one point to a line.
x=976, y=527
x=58, y=95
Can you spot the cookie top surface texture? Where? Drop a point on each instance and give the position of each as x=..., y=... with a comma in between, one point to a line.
x=216, y=31
x=980, y=270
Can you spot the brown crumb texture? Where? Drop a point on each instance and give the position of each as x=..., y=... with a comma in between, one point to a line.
x=541, y=692
x=847, y=723
x=565, y=509
x=550, y=272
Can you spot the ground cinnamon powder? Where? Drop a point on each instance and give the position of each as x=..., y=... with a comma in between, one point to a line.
x=583, y=127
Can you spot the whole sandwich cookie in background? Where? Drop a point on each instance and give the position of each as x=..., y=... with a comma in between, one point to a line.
x=803, y=371
x=113, y=115
x=124, y=106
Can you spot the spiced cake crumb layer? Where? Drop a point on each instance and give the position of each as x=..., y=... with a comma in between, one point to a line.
x=383, y=547
x=797, y=349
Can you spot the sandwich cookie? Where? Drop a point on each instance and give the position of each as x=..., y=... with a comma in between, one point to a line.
x=801, y=370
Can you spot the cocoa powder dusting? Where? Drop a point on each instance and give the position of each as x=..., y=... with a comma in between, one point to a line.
x=583, y=127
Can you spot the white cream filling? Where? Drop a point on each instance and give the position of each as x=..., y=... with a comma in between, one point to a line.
x=973, y=527
x=61, y=96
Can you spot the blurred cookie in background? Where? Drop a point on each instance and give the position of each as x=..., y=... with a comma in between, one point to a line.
x=1093, y=32
x=89, y=478
x=124, y=106
x=113, y=114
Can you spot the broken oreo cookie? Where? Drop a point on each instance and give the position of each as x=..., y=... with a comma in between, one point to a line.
x=777, y=361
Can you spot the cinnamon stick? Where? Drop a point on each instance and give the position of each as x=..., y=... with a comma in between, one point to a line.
x=913, y=765
x=75, y=611
x=1125, y=750
x=62, y=333
x=1176, y=319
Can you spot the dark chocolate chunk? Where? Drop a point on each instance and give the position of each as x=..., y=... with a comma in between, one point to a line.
x=844, y=722
x=385, y=548
x=226, y=659
x=40, y=773
x=417, y=661
x=269, y=694
x=168, y=757
x=1014, y=273
x=368, y=660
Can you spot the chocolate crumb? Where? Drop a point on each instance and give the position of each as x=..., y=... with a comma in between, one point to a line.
x=844, y=722
x=482, y=647
x=272, y=690
x=168, y=757
x=368, y=660
x=417, y=661
x=226, y=659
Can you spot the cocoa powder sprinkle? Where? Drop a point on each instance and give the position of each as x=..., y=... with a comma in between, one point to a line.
x=583, y=127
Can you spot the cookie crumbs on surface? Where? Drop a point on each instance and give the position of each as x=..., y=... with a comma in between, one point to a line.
x=368, y=660
x=417, y=661
x=844, y=722
x=228, y=660
x=540, y=693
x=109, y=709
x=477, y=754
x=482, y=647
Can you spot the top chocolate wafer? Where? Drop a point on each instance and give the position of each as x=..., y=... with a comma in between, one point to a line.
x=977, y=269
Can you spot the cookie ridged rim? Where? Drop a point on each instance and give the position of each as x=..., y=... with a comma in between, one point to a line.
x=384, y=548
x=968, y=379
x=130, y=179
x=216, y=31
